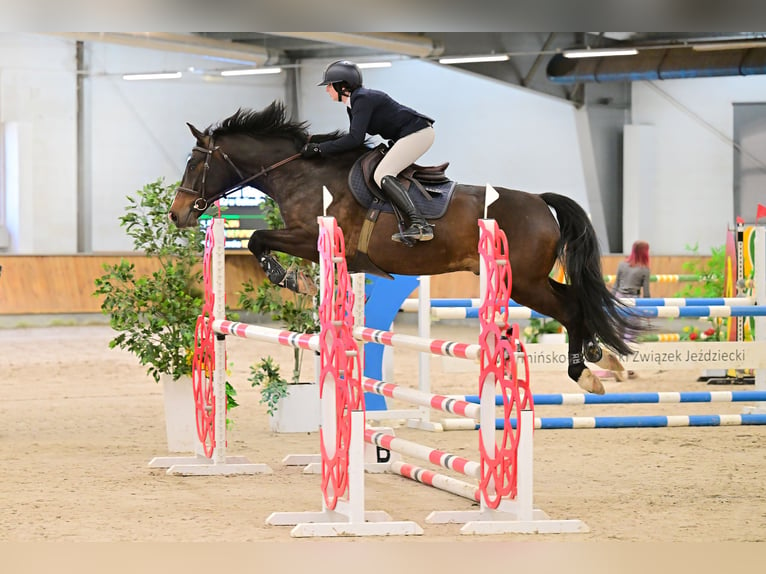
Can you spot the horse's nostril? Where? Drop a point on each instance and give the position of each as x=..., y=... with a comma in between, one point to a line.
x=173, y=217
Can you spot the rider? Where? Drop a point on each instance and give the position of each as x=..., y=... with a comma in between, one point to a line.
x=376, y=113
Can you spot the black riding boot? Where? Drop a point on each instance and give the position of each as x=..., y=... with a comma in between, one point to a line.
x=419, y=229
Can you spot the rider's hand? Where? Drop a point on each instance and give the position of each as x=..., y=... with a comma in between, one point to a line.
x=310, y=150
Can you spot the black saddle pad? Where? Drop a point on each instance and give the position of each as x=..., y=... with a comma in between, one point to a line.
x=433, y=208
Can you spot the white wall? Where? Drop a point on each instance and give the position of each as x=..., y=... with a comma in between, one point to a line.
x=137, y=130
x=693, y=129
x=38, y=114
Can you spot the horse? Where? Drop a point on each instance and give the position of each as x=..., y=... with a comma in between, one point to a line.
x=261, y=147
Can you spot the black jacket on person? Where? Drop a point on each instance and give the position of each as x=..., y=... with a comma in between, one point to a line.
x=376, y=113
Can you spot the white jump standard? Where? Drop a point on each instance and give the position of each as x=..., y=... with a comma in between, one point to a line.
x=505, y=471
x=342, y=405
x=209, y=378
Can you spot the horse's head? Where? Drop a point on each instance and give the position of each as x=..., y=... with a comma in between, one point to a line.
x=204, y=180
x=241, y=150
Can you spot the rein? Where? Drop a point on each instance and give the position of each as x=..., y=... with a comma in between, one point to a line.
x=202, y=202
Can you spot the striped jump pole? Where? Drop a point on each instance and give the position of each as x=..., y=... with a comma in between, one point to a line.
x=267, y=334
x=648, y=421
x=633, y=398
x=663, y=278
x=436, y=480
x=640, y=421
x=433, y=346
x=702, y=311
x=438, y=402
x=659, y=338
x=411, y=305
x=687, y=301
x=641, y=311
x=434, y=456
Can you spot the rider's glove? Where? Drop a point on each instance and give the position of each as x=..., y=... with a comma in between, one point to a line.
x=310, y=150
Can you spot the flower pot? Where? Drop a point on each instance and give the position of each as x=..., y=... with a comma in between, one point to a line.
x=552, y=338
x=299, y=411
x=180, y=416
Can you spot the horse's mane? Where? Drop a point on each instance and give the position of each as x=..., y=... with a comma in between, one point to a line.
x=271, y=121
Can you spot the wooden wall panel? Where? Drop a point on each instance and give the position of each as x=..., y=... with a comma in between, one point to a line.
x=52, y=284
x=56, y=284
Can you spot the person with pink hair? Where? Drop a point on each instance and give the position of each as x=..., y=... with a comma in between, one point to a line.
x=633, y=274
x=633, y=281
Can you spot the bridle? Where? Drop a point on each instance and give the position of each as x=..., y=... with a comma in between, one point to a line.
x=202, y=202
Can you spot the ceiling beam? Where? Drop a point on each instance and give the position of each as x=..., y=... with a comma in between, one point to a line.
x=183, y=43
x=404, y=43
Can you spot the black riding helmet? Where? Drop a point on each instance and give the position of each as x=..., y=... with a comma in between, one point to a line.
x=343, y=75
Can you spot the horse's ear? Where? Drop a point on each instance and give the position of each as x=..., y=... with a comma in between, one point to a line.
x=196, y=133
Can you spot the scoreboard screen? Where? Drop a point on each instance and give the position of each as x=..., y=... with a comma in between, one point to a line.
x=242, y=213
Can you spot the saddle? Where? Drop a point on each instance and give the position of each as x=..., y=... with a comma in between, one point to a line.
x=429, y=188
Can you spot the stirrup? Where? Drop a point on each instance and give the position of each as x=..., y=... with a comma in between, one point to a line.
x=414, y=232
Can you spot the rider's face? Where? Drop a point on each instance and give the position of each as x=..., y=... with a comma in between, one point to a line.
x=331, y=92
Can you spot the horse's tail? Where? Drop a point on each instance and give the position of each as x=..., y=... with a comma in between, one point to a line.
x=603, y=314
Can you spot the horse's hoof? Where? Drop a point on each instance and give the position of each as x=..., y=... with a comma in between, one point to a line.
x=620, y=376
x=298, y=282
x=610, y=362
x=306, y=285
x=590, y=383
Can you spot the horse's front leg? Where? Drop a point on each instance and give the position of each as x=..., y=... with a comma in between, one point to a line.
x=295, y=242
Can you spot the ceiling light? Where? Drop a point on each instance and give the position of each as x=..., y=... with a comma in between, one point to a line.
x=251, y=72
x=369, y=65
x=600, y=52
x=157, y=76
x=474, y=59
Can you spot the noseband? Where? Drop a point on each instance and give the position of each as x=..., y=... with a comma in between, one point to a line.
x=202, y=202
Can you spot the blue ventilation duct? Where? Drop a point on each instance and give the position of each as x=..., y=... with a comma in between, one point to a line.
x=665, y=64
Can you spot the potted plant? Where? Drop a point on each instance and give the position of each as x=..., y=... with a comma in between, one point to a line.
x=711, y=272
x=544, y=331
x=293, y=406
x=154, y=315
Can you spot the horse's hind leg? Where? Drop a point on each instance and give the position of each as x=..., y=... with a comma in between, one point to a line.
x=556, y=300
x=578, y=371
x=602, y=357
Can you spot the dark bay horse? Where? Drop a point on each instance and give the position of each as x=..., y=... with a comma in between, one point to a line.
x=261, y=148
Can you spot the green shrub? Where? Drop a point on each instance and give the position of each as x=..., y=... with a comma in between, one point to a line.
x=155, y=315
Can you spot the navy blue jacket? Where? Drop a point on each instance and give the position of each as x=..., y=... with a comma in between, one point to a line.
x=376, y=113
